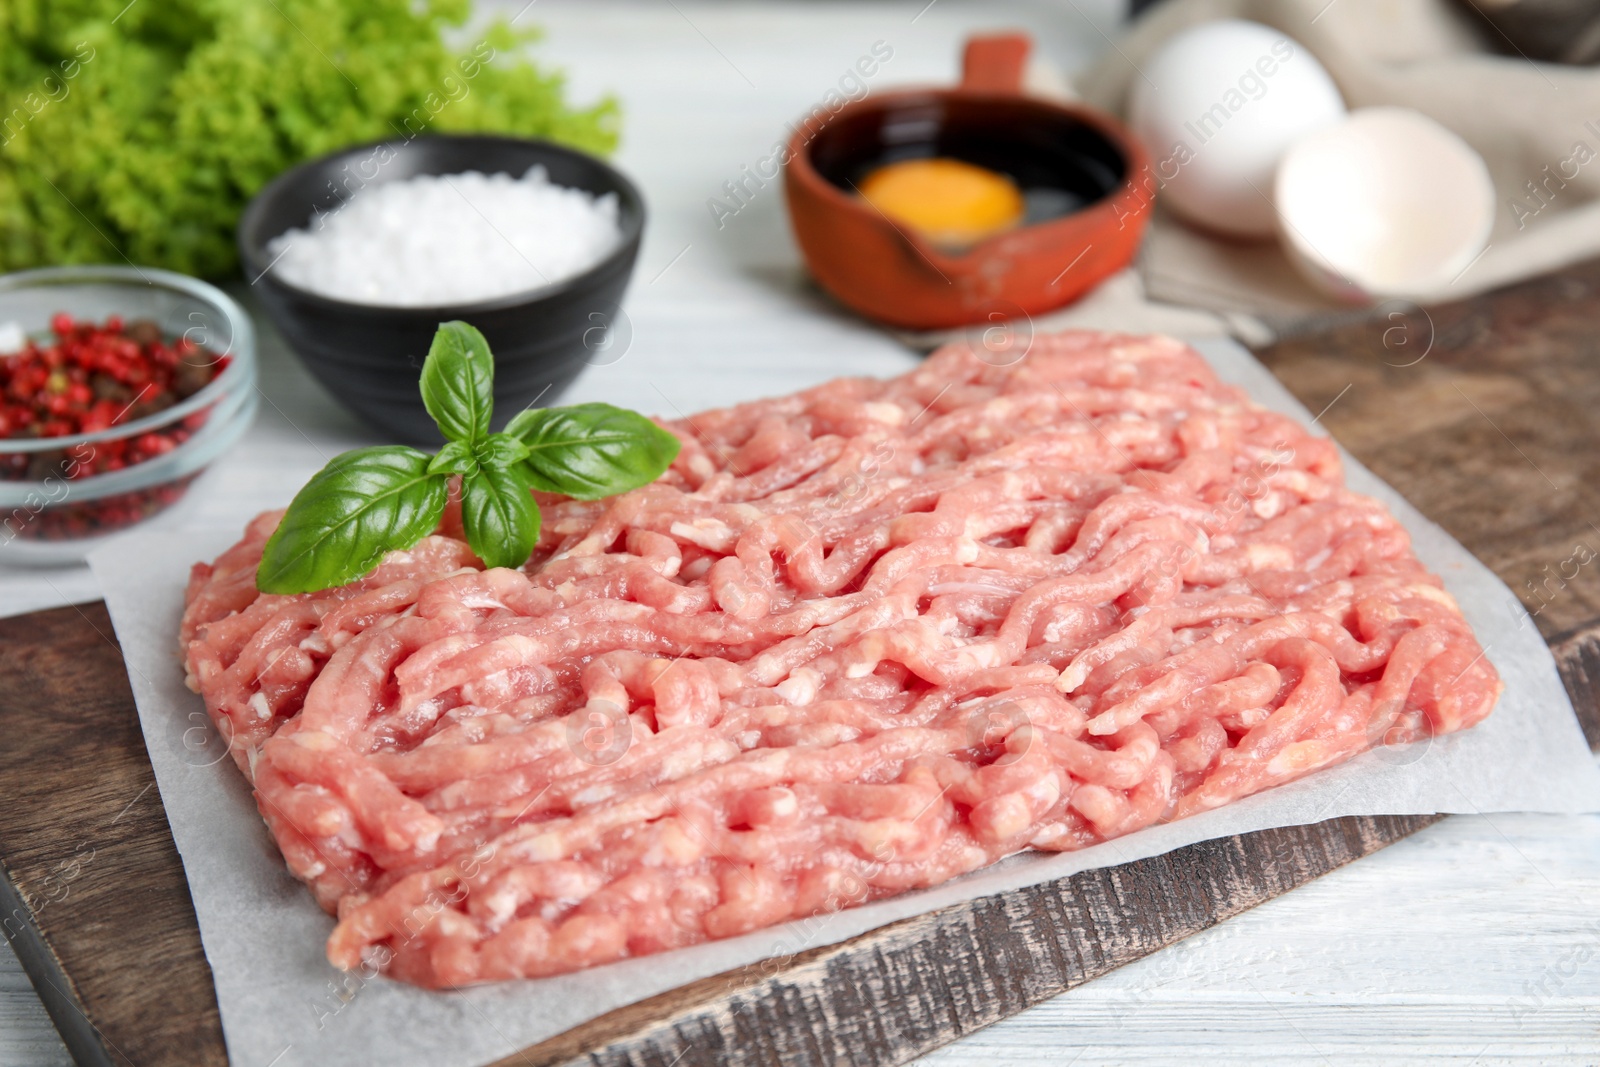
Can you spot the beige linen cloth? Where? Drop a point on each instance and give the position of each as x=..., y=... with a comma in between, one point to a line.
x=1537, y=125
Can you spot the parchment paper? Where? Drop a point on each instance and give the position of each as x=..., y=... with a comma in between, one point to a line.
x=283, y=1005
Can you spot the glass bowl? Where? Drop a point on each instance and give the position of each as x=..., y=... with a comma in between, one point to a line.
x=52, y=513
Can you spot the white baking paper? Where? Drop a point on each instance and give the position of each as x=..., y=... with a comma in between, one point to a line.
x=283, y=1005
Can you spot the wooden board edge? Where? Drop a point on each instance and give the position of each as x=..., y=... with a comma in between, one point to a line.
x=56, y=989
x=1577, y=655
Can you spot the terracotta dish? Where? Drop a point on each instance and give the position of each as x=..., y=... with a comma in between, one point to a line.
x=1077, y=168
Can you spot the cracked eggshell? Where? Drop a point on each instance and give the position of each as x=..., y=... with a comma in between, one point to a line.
x=1388, y=203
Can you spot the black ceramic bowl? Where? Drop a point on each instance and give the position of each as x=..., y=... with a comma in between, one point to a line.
x=370, y=357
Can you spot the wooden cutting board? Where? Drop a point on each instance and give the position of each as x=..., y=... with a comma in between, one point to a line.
x=1482, y=413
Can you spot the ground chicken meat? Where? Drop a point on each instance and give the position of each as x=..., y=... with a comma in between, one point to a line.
x=858, y=640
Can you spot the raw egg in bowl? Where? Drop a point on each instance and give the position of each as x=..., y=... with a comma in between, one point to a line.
x=935, y=208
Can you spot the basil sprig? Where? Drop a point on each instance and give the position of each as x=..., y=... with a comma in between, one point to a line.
x=373, y=501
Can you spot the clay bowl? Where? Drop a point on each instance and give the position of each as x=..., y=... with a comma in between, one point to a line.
x=1076, y=167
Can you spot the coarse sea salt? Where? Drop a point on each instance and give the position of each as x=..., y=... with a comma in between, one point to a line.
x=449, y=239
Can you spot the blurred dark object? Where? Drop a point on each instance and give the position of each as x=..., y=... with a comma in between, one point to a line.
x=1560, y=31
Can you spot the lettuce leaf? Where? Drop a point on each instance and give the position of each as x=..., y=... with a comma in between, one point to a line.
x=137, y=132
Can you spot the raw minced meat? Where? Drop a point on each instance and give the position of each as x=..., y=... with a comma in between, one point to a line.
x=858, y=640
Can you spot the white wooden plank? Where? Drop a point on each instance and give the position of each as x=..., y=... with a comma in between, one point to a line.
x=27, y=1037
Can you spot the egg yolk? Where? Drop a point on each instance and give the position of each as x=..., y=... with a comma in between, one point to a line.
x=946, y=200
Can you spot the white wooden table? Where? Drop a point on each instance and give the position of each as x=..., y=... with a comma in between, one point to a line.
x=1475, y=942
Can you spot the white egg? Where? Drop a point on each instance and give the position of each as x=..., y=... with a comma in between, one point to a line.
x=1217, y=105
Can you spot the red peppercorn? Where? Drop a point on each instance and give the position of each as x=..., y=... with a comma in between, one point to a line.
x=92, y=378
x=95, y=377
x=154, y=444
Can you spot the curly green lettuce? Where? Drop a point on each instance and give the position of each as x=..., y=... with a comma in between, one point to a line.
x=139, y=131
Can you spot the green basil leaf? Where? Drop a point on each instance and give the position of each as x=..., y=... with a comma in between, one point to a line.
x=456, y=457
x=458, y=382
x=590, y=451
x=500, y=450
x=500, y=517
x=361, y=506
